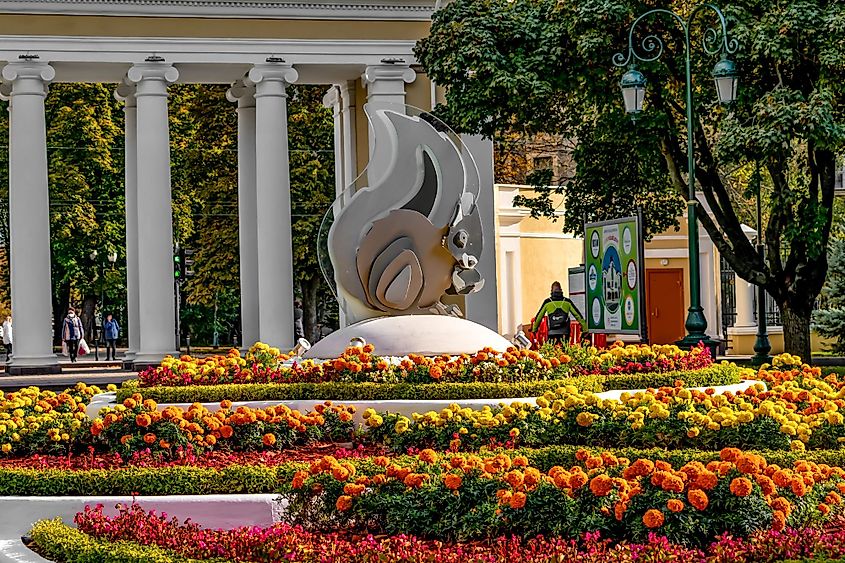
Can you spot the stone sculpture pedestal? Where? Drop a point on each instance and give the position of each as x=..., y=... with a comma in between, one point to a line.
x=428, y=335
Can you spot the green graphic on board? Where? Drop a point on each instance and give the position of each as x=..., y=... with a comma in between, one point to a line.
x=614, y=272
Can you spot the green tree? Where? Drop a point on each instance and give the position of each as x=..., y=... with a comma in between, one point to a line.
x=311, y=141
x=830, y=321
x=546, y=66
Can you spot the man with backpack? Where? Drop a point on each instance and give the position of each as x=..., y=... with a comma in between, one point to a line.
x=558, y=308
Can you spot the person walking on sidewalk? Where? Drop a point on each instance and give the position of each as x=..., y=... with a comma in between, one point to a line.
x=558, y=308
x=111, y=331
x=72, y=332
x=8, y=337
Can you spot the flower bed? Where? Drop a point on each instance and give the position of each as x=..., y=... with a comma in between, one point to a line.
x=466, y=497
x=263, y=364
x=35, y=421
x=137, y=425
x=800, y=411
x=716, y=374
x=120, y=539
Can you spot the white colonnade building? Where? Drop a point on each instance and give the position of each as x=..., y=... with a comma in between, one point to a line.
x=361, y=50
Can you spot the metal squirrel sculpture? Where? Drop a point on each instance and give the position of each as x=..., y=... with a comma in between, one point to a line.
x=414, y=235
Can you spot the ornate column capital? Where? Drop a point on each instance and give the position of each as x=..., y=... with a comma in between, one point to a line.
x=151, y=78
x=376, y=73
x=28, y=77
x=242, y=94
x=125, y=93
x=271, y=79
x=331, y=99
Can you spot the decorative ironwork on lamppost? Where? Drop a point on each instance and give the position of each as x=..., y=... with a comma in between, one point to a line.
x=633, y=85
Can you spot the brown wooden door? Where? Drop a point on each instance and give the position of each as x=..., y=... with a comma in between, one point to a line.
x=665, y=304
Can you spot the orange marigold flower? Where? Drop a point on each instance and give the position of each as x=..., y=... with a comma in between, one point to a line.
x=299, y=479
x=781, y=504
x=593, y=462
x=577, y=480
x=532, y=477
x=225, y=404
x=428, y=455
x=798, y=487
x=517, y=500
x=582, y=454
x=741, y=487
x=452, y=482
x=130, y=403
x=698, y=499
x=823, y=508
x=778, y=521
x=619, y=509
x=143, y=420
x=97, y=428
x=343, y=503
x=268, y=440
x=520, y=461
x=435, y=372
x=675, y=505
x=353, y=489
x=653, y=518
x=514, y=478
x=210, y=440
x=833, y=498
x=164, y=444
x=226, y=431
x=150, y=438
x=766, y=484
x=730, y=454
x=706, y=480
x=661, y=465
x=601, y=485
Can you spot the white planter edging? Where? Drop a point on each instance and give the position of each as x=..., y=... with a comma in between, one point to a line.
x=18, y=514
x=405, y=407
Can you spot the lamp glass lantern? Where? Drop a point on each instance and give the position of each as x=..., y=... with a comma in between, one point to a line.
x=633, y=90
x=112, y=257
x=727, y=80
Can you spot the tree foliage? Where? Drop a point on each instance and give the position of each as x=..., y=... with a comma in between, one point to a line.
x=544, y=65
x=830, y=321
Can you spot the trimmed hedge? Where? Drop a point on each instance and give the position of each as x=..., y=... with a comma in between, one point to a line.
x=182, y=480
x=717, y=374
x=59, y=542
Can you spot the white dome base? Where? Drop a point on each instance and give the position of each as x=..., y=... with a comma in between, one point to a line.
x=428, y=335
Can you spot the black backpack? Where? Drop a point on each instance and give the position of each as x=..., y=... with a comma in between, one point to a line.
x=558, y=320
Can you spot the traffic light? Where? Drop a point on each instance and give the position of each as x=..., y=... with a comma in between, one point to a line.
x=177, y=264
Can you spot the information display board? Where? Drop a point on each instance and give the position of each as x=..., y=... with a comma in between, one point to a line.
x=614, y=275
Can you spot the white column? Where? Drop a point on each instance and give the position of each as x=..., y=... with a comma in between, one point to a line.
x=29, y=218
x=272, y=184
x=157, y=311
x=744, y=303
x=385, y=89
x=126, y=93
x=247, y=211
x=332, y=101
x=482, y=307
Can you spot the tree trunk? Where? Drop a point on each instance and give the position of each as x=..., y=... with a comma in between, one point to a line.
x=89, y=305
x=310, y=289
x=796, y=329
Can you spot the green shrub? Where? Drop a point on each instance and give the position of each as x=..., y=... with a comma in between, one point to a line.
x=717, y=374
x=60, y=542
x=183, y=480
